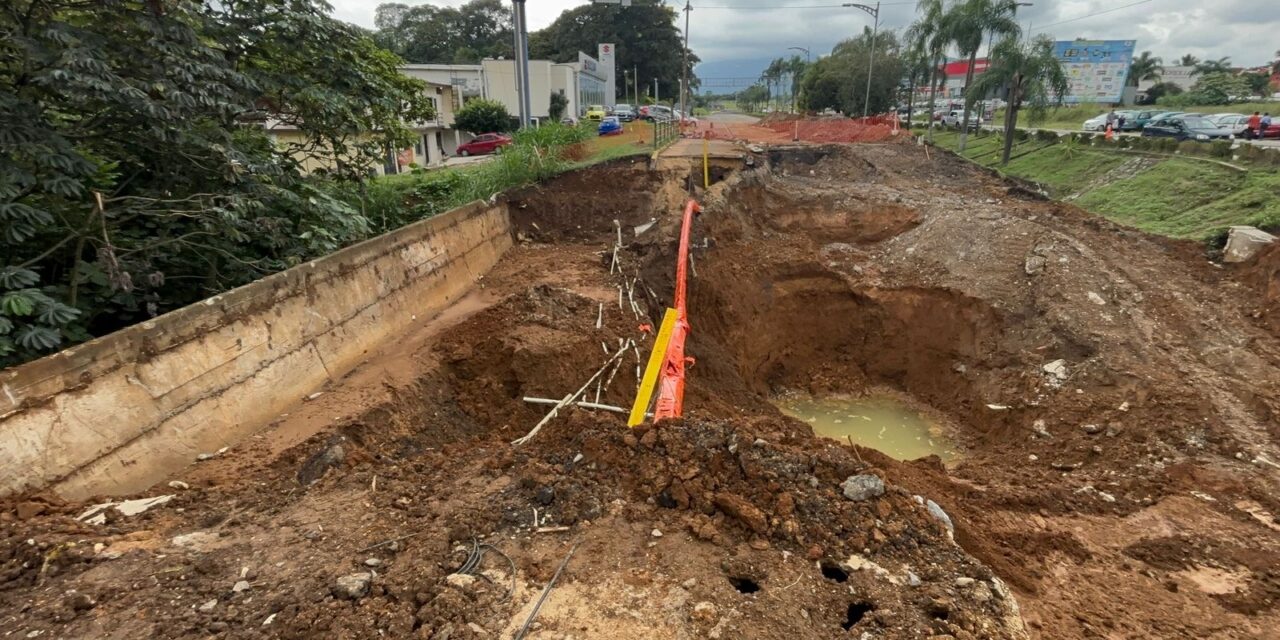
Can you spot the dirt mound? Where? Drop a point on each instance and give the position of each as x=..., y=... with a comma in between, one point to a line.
x=1114, y=402
x=1263, y=274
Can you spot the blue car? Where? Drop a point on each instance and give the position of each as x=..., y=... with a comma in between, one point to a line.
x=610, y=126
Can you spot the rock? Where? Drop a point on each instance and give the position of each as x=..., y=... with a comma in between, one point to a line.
x=80, y=601
x=1091, y=429
x=545, y=496
x=964, y=582
x=690, y=583
x=242, y=585
x=196, y=540
x=30, y=509
x=657, y=533
x=1245, y=242
x=321, y=461
x=1037, y=427
x=178, y=484
x=1034, y=264
x=373, y=562
x=461, y=581
x=913, y=580
x=209, y=606
x=704, y=612
x=862, y=487
x=1096, y=299
x=1057, y=369
x=354, y=586
x=937, y=512
x=741, y=509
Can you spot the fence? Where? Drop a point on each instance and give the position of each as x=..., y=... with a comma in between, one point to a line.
x=664, y=133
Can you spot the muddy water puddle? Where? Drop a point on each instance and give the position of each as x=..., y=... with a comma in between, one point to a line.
x=878, y=421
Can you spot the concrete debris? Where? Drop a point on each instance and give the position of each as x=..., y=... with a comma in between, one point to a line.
x=856, y=562
x=1096, y=299
x=241, y=586
x=913, y=580
x=1039, y=429
x=209, y=605
x=97, y=514
x=178, y=484
x=373, y=562
x=656, y=533
x=355, y=586
x=1244, y=242
x=862, y=487
x=1056, y=369
x=1091, y=429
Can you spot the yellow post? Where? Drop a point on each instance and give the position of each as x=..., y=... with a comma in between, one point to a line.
x=706, y=168
x=651, y=370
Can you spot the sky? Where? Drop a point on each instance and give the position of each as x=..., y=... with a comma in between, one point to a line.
x=737, y=37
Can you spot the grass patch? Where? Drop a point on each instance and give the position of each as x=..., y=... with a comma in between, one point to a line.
x=1171, y=196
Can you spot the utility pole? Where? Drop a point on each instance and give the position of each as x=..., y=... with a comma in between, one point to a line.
x=874, y=12
x=684, y=70
x=516, y=48
x=523, y=57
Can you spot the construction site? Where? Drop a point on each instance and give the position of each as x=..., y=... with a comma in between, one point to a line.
x=437, y=433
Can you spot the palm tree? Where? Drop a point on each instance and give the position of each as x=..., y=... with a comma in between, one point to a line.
x=1145, y=67
x=971, y=21
x=1033, y=74
x=1212, y=66
x=796, y=67
x=1188, y=60
x=772, y=76
x=932, y=33
x=916, y=61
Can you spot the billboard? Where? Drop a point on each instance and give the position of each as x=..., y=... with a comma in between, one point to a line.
x=1096, y=69
x=605, y=55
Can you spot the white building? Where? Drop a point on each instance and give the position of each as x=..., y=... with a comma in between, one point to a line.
x=581, y=82
x=1183, y=77
x=466, y=79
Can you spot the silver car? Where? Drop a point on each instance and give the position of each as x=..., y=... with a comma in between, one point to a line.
x=1236, y=122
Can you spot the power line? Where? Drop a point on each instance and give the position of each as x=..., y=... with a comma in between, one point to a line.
x=1113, y=9
x=782, y=7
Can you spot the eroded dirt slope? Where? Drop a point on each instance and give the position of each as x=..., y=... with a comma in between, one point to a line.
x=1114, y=393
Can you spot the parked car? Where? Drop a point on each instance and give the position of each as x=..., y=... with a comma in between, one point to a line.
x=609, y=126
x=655, y=113
x=1138, y=120
x=1183, y=127
x=484, y=143
x=1236, y=122
x=594, y=112
x=624, y=112
x=1096, y=123
x=954, y=117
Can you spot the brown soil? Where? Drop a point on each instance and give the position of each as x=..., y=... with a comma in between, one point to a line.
x=1131, y=497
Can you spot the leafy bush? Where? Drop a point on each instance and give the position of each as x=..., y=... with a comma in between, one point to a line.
x=483, y=116
x=557, y=106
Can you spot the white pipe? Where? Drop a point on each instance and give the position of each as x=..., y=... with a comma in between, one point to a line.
x=582, y=403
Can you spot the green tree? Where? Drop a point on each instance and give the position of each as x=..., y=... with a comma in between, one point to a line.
x=483, y=116
x=1033, y=75
x=645, y=37
x=136, y=171
x=557, y=106
x=772, y=78
x=1144, y=68
x=917, y=67
x=1221, y=65
x=839, y=81
x=1188, y=60
x=1218, y=87
x=969, y=23
x=796, y=67
x=1160, y=90
x=751, y=98
x=426, y=33
x=931, y=32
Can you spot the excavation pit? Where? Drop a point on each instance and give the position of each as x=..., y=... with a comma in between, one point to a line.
x=883, y=422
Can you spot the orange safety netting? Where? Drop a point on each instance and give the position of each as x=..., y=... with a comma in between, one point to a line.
x=786, y=128
x=671, y=380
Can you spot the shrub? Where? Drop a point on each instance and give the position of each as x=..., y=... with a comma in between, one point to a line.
x=483, y=116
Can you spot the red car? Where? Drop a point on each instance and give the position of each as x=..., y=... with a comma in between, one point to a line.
x=484, y=143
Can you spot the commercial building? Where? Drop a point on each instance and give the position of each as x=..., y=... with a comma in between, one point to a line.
x=583, y=83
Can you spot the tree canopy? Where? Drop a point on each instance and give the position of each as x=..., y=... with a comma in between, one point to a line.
x=644, y=33
x=483, y=116
x=839, y=81
x=425, y=33
x=137, y=173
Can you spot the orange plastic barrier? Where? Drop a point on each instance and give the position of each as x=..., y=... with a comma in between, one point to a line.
x=671, y=379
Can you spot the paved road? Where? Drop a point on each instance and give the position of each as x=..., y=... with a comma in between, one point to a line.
x=730, y=117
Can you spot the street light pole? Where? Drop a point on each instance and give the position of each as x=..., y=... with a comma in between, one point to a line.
x=684, y=71
x=871, y=58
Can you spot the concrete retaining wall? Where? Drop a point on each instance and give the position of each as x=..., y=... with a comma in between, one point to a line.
x=122, y=412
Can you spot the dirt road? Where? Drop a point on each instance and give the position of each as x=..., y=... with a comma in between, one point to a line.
x=1115, y=395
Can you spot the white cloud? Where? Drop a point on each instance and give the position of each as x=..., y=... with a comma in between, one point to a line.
x=1245, y=30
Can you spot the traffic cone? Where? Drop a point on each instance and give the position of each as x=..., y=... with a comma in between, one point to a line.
x=1110, y=135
